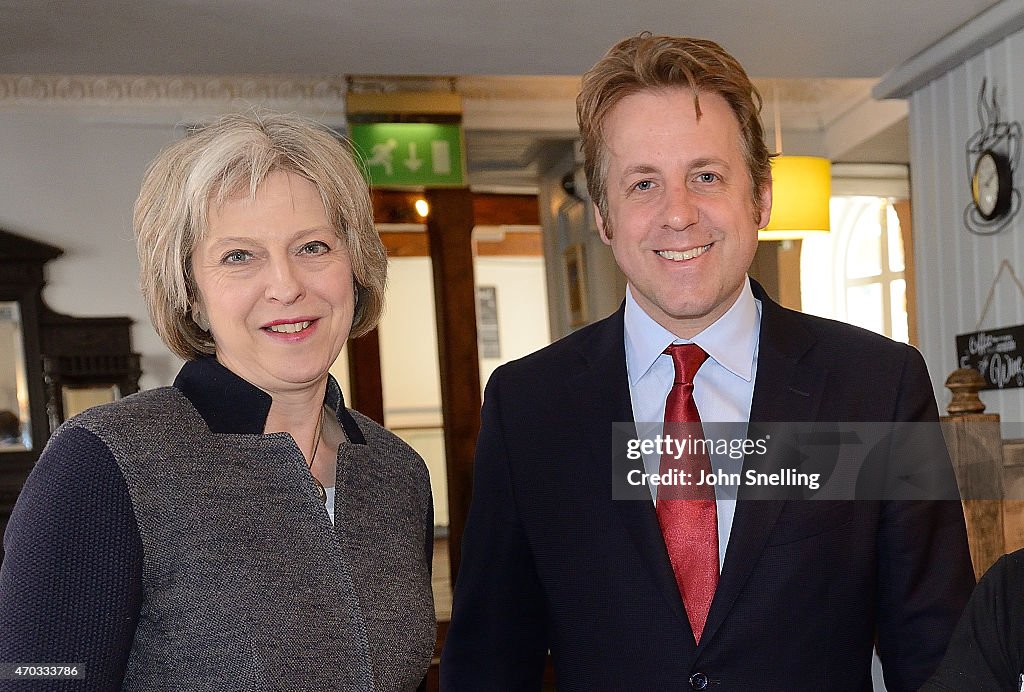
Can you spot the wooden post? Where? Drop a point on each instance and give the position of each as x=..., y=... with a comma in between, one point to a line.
x=364, y=376
x=450, y=229
x=975, y=448
x=903, y=213
x=1013, y=489
x=765, y=267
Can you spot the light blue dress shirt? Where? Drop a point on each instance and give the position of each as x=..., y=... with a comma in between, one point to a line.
x=722, y=389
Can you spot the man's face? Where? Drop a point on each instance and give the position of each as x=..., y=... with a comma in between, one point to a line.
x=680, y=210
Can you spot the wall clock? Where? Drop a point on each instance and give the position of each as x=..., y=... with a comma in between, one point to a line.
x=992, y=185
x=992, y=156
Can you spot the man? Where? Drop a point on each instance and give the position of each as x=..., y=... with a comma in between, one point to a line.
x=698, y=593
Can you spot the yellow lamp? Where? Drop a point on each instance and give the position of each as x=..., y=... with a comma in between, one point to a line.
x=801, y=188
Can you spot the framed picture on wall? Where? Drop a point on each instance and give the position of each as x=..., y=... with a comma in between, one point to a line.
x=576, y=285
x=487, y=332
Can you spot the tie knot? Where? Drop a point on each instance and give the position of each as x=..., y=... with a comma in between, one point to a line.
x=687, y=359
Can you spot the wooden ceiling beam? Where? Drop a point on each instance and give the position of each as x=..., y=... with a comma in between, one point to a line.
x=396, y=206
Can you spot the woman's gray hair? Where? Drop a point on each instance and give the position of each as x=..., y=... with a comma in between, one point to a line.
x=232, y=157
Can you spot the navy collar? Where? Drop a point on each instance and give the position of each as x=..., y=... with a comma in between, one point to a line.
x=233, y=406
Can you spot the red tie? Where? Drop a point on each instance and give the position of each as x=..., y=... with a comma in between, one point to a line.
x=690, y=526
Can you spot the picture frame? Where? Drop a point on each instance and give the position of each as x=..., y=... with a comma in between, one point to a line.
x=576, y=285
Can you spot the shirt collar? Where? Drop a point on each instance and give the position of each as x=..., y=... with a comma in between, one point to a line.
x=231, y=405
x=731, y=340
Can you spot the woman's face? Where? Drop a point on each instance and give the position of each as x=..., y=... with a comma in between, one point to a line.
x=275, y=284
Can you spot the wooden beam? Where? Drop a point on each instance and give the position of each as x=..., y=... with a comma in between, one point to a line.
x=765, y=267
x=396, y=206
x=406, y=243
x=506, y=210
x=515, y=244
x=788, y=257
x=364, y=376
x=450, y=230
x=903, y=213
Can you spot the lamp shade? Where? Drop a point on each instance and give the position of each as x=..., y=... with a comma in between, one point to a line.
x=801, y=188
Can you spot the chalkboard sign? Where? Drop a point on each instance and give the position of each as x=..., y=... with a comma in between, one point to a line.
x=996, y=353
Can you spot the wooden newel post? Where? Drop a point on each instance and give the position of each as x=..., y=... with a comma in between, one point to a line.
x=975, y=447
x=965, y=384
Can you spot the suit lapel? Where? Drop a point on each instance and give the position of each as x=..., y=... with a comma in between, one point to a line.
x=786, y=389
x=604, y=396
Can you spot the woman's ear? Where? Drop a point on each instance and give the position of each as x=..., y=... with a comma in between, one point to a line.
x=200, y=319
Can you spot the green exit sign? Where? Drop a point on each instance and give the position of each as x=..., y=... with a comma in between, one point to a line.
x=410, y=154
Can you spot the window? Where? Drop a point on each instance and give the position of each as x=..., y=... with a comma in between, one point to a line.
x=856, y=273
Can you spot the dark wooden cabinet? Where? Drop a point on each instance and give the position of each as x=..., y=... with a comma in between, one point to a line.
x=51, y=357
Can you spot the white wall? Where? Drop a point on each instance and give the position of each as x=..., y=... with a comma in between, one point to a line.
x=568, y=222
x=954, y=268
x=522, y=306
x=72, y=155
x=408, y=348
x=410, y=373
x=70, y=181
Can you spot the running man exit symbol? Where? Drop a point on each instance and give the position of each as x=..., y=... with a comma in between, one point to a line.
x=411, y=154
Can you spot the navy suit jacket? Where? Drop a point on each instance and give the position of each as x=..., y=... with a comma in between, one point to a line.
x=551, y=562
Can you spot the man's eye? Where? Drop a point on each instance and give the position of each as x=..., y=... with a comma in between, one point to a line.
x=236, y=257
x=316, y=247
x=643, y=185
x=707, y=177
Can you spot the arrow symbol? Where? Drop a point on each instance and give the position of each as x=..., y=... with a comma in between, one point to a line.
x=413, y=163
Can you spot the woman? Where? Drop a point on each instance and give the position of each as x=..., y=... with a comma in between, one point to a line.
x=241, y=529
x=986, y=652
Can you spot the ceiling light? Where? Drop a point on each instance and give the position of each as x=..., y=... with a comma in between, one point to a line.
x=801, y=190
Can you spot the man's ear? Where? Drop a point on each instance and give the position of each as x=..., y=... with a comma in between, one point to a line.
x=599, y=220
x=765, y=212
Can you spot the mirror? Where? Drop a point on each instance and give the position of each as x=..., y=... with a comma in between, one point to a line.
x=77, y=399
x=15, y=418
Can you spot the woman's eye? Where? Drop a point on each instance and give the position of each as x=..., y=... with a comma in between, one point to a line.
x=707, y=177
x=236, y=257
x=643, y=185
x=317, y=247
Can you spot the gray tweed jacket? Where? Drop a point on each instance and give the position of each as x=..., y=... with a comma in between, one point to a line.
x=243, y=582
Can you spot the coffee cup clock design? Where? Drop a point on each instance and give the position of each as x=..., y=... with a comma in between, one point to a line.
x=992, y=155
x=992, y=185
